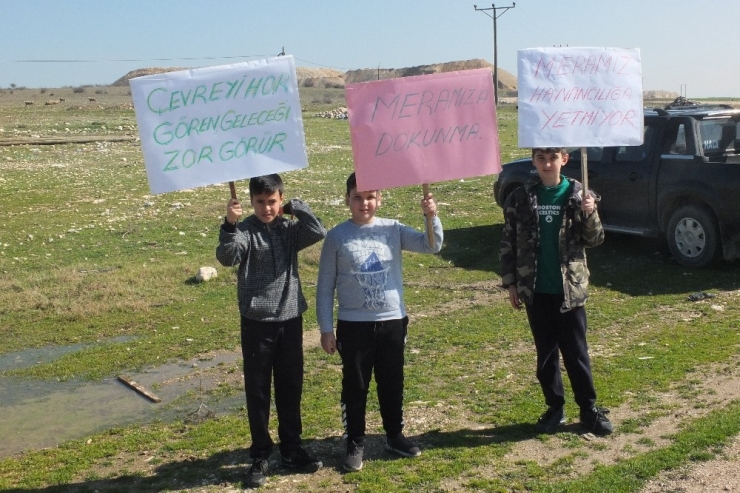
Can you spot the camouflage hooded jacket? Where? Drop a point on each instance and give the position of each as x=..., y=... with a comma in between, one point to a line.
x=520, y=243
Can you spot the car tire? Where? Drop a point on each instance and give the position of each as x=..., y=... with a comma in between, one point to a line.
x=693, y=236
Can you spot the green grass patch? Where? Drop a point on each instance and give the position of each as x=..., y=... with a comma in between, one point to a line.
x=90, y=259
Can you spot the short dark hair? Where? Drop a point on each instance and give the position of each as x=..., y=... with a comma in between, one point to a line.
x=266, y=184
x=561, y=150
x=351, y=183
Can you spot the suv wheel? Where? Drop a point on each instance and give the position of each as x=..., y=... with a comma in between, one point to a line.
x=693, y=236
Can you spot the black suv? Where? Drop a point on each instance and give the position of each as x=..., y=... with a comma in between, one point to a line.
x=682, y=184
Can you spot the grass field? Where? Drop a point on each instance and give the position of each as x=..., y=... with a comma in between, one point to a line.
x=88, y=257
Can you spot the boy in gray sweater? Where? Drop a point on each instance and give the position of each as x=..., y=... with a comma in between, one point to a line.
x=265, y=247
x=361, y=262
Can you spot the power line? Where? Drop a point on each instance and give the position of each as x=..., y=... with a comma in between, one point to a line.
x=115, y=60
x=139, y=60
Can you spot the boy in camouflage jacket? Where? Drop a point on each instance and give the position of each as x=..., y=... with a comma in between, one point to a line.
x=548, y=226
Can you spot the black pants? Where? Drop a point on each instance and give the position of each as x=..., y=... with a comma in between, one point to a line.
x=273, y=349
x=365, y=346
x=558, y=333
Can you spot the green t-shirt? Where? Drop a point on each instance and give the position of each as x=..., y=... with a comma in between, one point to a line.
x=550, y=204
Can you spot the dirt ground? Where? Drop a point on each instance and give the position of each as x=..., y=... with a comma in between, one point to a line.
x=719, y=475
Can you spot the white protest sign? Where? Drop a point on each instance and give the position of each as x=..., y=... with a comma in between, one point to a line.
x=579, y=97
x=217, y=124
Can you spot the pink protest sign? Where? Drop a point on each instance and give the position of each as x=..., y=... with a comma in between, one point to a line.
x=423, y=129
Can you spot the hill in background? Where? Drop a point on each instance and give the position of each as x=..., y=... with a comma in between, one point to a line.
x=331, y=78
x=334, y=79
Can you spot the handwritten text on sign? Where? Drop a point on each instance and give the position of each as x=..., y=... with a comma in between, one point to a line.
x=576, y=97
x=423, y=129
x=216, y=124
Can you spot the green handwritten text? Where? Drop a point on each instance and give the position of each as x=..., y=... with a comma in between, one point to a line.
x=160, y=100
x=166, y=132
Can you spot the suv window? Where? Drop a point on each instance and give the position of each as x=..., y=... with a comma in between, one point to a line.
x=719, y=136
x=679, y=147
x=594, y=154
x=636, y=153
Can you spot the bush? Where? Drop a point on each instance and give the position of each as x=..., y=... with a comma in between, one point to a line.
x=78, y=89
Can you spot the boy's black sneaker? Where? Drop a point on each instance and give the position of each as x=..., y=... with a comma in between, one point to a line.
x=550, y=420
x=595, y=421
x=257, y=474
x=353, y=459
x=299, y=459
x=400, y=445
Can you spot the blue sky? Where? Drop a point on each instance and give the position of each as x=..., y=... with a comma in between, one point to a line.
x=685, y=46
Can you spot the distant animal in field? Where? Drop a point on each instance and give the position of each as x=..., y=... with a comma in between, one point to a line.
x=61, y=100
x=28, y=103
x=92, y=100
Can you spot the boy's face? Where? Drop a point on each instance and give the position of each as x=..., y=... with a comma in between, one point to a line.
x=362, y=205
x=548, y=164
x=266, y=205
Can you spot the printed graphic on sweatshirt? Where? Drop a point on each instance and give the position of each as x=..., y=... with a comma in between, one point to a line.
x=549, y=212
x=371, y=259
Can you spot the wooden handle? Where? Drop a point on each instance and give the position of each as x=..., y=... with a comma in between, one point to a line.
x=232, y=187
x=430, y=219
x=584, y=171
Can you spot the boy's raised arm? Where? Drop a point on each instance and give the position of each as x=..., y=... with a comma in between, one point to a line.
x=592, y=233
x=414, y=241
x=309, y=227
x=429, y=209
x=231, y=243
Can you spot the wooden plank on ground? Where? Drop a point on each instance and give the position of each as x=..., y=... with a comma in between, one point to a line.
x=139, y=388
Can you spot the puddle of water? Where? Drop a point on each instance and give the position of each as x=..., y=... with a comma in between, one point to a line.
x=35, y=356
x=37, y=414
x=50, y=413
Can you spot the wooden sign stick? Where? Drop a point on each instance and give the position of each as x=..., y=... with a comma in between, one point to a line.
x=232, y=187
x=430, y=219
x=584, y=171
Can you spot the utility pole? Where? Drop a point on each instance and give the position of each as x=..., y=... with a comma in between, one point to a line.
x=494, y=15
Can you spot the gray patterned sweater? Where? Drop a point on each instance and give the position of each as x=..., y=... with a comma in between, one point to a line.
x=268, y=285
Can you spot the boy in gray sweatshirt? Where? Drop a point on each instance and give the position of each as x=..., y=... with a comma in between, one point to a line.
x=265, y=247
x=361, y=262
